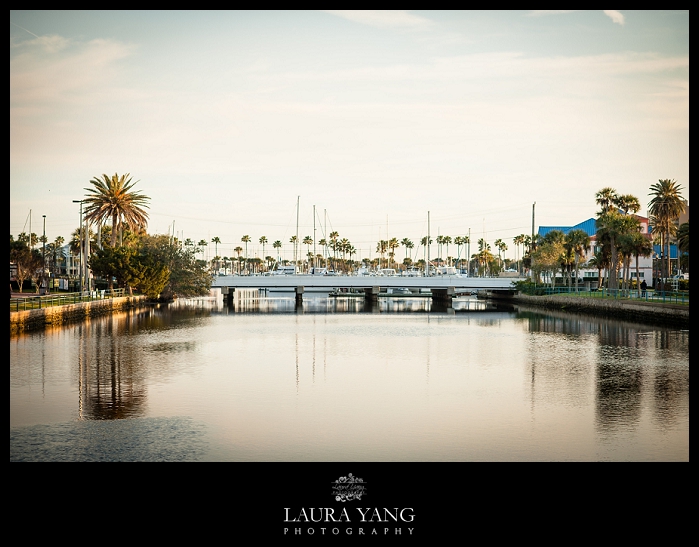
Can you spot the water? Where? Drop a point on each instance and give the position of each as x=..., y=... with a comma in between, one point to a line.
x=340, y=380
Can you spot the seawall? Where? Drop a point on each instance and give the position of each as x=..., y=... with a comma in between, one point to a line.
x=665, y=313
x=31, y=320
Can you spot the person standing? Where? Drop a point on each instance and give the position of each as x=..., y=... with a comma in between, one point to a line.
x=644, y=287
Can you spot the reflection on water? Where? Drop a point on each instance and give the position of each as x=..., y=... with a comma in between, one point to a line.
x=340, y=379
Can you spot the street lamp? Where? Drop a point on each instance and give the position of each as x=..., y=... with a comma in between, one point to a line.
x=80, y=235
x=43, y=251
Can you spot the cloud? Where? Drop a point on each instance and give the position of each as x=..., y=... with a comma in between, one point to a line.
x=615, y=15
x=52, y=70
x=383, y=18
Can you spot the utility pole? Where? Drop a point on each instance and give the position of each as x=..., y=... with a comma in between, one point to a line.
x=43, y=251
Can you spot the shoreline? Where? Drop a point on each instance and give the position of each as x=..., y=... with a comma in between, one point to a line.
x=655, y=313
x=33, y=320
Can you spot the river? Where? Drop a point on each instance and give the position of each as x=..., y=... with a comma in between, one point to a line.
x=337, y=379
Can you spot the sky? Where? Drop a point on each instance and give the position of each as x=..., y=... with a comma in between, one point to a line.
x=385, y=123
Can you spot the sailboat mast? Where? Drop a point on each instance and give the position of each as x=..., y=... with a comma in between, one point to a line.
x=314, y=237
x=296, y=243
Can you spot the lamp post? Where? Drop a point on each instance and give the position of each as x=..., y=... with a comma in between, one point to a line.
x=80, y=234
x=43, y=252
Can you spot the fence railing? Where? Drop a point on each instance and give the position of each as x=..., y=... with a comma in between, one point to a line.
x=61, y=299
x=649, y=295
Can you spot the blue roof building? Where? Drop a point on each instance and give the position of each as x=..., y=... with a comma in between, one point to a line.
x=589, y=227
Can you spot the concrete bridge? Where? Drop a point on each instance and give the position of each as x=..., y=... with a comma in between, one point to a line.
x=442, y=287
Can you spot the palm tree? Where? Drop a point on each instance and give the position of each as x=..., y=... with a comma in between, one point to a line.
x=216, y=240
x=246, y=239
x=344, y=246
x=308, y=241
x=642, y=246
x=599, y=260
x=683, y=237
x=263, y=240
x=113, y=198
x=502, y=247
x=440, y=242
x=666, y=207
x=405, y=242
x=293, y=240
x=381, y=248
x=518, y=241
x=578, y=242
x=238, y=250
x=324, y=243
x=613, y=222
x=393, y=245
x=57, y=244
x=277, y=245
x=446, y=240
x=333, y=245
x=202, y=243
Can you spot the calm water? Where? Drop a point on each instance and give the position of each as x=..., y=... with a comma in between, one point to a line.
x=336, y=380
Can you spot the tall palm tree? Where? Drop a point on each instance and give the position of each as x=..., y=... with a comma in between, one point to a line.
x=202, y=243
x=246, y=239
x=216, y=240
x=333, y=245
x=440, y=242
x=381, y=248
x=405, y=242
x=113, y=198
x=308, y=241
x=446, y=240
x=518, y=241
x=293, y=240
x=277, y=245
x=324, y=243
x=613, y=222
x=458, y=241
x=683, y=237
x=393, y=245
x=238, y=250
x=502, y=247
x=344, y=246
x=665, y=207
x=57, y=244
x=642, y=246
x=263, y=241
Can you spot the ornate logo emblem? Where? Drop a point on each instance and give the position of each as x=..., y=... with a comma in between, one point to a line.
x=349, y=488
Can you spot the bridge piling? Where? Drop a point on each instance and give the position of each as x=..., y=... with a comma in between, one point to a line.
x=371, y=294
x=443, y=296
x=299, y=295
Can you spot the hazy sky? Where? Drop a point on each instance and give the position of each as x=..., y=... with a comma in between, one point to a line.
x=376, y=118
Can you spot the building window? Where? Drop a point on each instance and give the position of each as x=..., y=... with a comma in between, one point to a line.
x=640, y=274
